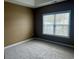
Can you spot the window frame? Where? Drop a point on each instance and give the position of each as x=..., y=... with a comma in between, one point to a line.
x=59, y=12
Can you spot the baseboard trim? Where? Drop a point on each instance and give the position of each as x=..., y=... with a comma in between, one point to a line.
x=18, y=43
x=56, y=42
x=36, y=38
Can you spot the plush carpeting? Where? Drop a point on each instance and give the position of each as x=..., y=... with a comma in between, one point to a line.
x=38, y=50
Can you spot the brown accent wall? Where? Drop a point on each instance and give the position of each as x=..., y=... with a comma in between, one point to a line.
x=18, y=23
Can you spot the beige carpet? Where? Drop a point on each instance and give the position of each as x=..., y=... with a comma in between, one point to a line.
x=38, y=50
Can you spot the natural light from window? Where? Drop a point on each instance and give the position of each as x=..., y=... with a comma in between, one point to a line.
x=56, y=24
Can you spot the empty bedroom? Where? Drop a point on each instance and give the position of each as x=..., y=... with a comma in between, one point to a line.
x=39, y=29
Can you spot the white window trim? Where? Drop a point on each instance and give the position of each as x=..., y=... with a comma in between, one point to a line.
x=68, y=11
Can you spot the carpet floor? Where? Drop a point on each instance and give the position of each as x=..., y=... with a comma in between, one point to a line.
x=35, y=49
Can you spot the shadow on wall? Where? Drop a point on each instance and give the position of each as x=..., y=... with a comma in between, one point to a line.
x=62, y=6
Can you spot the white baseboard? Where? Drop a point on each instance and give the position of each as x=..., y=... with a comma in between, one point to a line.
x=17, y=43
x=56, y=42
x=32, y=39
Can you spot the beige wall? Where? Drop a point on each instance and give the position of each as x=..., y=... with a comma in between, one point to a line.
x=18, y=23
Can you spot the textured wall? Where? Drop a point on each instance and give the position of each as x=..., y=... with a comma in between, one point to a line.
x=18, y=23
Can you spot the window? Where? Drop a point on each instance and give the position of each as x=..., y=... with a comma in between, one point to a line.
x=56, y=24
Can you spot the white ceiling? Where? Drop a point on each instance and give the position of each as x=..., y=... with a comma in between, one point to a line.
x=34, y=3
